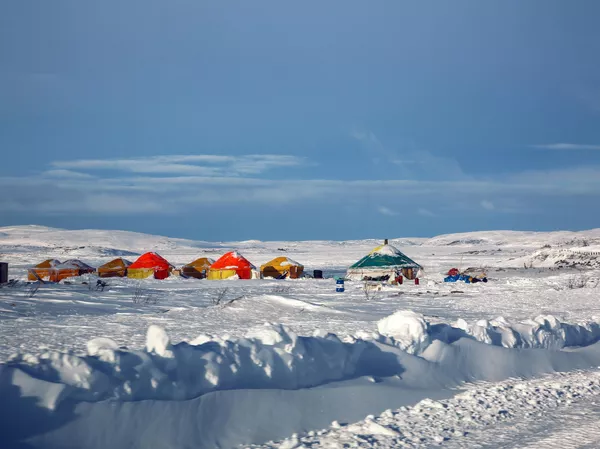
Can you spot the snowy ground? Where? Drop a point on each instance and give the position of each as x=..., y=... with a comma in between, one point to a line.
x=230, y=380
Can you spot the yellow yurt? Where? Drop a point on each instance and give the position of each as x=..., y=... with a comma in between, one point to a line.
x=198, y=268
x=114, y=268
x=282, y=267
x=44, y=270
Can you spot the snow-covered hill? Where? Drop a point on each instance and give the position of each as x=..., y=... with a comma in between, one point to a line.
x=30, y=244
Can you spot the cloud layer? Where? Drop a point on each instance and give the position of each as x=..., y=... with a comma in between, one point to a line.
x=171, y=184
x=566, y=146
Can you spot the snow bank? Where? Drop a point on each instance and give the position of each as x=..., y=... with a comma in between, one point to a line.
x=274, y=357
x=269, y=357
x=411, y=332
x=221, y=392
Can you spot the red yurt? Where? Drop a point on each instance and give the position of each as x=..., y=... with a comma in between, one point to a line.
x=232, y=264
x=149, y=264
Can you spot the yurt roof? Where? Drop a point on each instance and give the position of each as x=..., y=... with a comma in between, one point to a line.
x=282, y=261
x=231, y=261
x=385, y=256
x=74, y=263
x=150, y=260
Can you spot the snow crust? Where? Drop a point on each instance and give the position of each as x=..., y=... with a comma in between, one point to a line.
x=459, y=421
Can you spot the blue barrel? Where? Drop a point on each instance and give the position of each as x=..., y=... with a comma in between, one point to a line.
x=339, y=285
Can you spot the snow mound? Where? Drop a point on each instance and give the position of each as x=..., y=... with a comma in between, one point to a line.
x=268, y=357
x=409, y=330
x=412, y=333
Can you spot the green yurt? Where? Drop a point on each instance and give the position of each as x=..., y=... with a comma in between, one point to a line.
x=383, y=262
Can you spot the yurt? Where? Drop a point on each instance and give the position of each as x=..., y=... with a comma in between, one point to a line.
x=70, y=268
x=114, y=268
x=384, y=262
x=198, y=268
x=232, y=264
x=43, y=270
x=281, y=267
x=149, y=264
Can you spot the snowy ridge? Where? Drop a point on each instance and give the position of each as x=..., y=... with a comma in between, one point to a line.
x=275, y=357
x=269, y=363
x=411, y=332
x=270, y=357
x=523, y=238
x=562, y=257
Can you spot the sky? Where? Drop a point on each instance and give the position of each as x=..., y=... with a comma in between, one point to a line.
x=304, y=120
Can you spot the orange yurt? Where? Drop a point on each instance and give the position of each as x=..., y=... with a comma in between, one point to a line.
x=70, y=268
x=43, y=270
x=232, y=264
x=281, y=267
x=149, y=264
x=198, y=268
x=114, y=268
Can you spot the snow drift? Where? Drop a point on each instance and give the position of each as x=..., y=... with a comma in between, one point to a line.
x=208, y=392
x=411, y=332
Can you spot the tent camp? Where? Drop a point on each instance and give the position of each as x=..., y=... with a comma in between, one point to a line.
x=43, y=270
x=114, y=268
x=70, y=268
x=384, y=262
x=198, y=268
x=149, y=264
x=282, y=267
x=231, y=264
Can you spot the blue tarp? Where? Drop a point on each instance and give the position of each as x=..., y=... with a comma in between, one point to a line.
x=464, y=278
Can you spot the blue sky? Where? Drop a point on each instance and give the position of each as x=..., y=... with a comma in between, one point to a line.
x=300, y=120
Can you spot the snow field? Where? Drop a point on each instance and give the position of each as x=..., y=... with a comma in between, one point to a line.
x=185, y=372
x=164, y=378
x=459, y=421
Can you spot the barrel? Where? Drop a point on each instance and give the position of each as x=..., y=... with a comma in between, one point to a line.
x=339, y=285
x=318, y=274
x=3, y=272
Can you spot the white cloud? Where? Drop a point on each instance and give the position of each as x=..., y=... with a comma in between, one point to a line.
x=64, y=190
x=200, y=165
x=386, y=211
x=566, y=146
x=425, y=212
x=60, y=173
x=488, y=205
